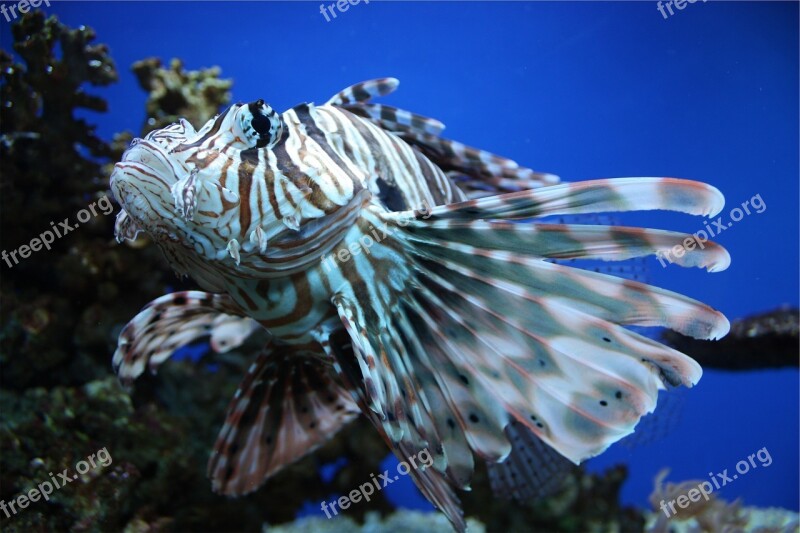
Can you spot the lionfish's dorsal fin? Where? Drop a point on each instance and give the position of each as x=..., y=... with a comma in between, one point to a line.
x=364, y=91
x=477, y=172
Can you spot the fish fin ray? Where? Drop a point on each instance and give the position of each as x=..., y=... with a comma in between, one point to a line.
x=380, y=388
x=626, y=302
x=594, y=196
x=287, y=406
x=165, y=325
x=364, y=91
x=476, y=172
x=574, y=241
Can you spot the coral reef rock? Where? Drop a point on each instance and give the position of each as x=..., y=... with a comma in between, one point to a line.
x=397, y=522
x=175, y=93
x=712, y=514
x=767, y=340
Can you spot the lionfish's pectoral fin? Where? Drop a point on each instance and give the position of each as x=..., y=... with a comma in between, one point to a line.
x=168, y=323
x=404, y=403
x=472, y=328
x=287, y=406
x=229, y=332
x=548, y=341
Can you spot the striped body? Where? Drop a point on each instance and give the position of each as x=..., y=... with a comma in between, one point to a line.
x=289, y=185
x=276, y=192
x=388, y=265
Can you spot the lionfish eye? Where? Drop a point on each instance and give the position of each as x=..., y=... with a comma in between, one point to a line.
x=261, y=124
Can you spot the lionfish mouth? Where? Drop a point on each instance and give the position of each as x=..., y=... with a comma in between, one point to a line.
x=141, y=183
x=146, y=168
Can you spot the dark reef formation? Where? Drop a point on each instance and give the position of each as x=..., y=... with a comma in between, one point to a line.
x=62, y=309
x=59, y=304
x=175, y=93
x=767, y=340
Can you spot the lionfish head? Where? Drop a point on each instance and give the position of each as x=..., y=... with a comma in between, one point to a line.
x=169, y=182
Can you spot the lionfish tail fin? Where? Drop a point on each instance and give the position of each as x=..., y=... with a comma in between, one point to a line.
x=286, y=407
x=532, y=470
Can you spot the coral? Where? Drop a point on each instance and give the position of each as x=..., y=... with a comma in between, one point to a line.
x=61, y=304
x=62, y=308
x=175, y=93
x=712, y=514
x=398, y=522
x=585, y=502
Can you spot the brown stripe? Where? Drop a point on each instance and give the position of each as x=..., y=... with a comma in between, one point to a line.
x=296, y=175
x=246, y=169
x=223, y=175
x=303, y=301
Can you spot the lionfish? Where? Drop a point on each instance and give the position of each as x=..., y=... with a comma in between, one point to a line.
x=397, y=278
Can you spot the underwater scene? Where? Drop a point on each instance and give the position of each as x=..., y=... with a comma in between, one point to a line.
x=367, y=265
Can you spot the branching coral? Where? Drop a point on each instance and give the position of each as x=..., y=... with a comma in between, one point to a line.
x=176, y=93
x=711, y=514
x=60, y=302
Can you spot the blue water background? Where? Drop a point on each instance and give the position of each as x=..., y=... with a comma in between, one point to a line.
x=581, y=89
